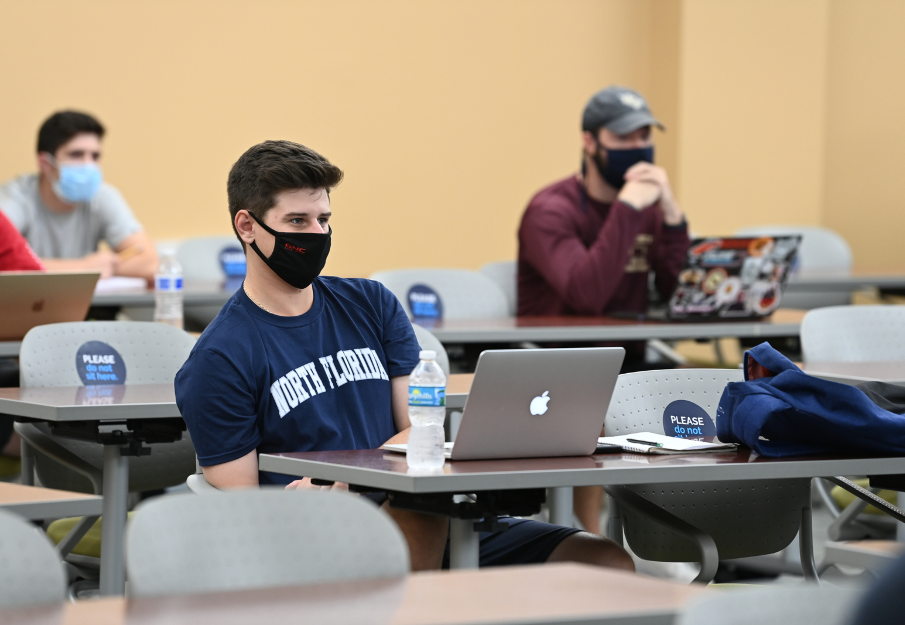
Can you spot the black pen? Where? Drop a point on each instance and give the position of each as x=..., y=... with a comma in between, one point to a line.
x=652, y=444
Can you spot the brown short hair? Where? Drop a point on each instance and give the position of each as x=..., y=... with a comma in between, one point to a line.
x=268, y=169
x=62, y=126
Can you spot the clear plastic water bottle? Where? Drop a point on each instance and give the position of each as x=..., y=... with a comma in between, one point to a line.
x=427, y=409
x=168, y=290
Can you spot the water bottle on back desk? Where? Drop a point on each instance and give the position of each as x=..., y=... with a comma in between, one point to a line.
x=427, y=410
x=168, y=290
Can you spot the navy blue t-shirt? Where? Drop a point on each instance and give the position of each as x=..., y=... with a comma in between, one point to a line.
x=319, y=381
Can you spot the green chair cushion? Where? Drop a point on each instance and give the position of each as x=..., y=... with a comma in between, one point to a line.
x=844, y=499
x=9, y=467
x=90, y=545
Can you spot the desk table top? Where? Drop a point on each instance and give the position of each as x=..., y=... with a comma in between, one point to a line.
x=552, y=593
x=35, y=503
x=854, y=372
x=784, y=322
x=374, y=468
x=91, y=403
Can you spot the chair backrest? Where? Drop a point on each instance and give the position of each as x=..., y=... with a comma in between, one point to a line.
x=505, y=275
x=853, y=334
x=428, y=341
x=802, y=604
x=152, y=354
x=744, y=519
x=464, y=294
x=31, y=573
x=822, y=249
x=200, y=257
x=185, y=544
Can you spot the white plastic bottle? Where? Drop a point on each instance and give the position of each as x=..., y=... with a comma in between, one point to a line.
x=168, y=290
x=427, y=409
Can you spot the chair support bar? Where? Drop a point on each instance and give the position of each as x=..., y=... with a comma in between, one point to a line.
x=806, y=547
x=869, y=497
x=710, y=557
x=65, y=547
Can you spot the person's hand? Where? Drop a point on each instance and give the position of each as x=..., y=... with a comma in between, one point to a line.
x=652, y=174
x=103, y=261
x=640, y=193
x=305, y=484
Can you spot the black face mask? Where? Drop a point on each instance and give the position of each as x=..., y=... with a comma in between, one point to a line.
x=619, y=161
x=297, y=257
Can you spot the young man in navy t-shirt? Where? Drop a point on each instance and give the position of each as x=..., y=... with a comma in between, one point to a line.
x=296, y=361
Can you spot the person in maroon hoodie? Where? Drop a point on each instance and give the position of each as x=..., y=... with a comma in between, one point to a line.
x=588, y=243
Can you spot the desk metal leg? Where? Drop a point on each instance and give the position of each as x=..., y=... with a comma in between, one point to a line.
x=28, y=463
x=113, y=531
x=900, y=527
x=560, y=502
x=464, y=544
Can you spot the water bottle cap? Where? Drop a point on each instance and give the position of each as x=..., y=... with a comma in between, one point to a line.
x=427, y=354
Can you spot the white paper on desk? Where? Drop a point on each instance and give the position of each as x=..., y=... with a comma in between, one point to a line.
x=120, y=283
x=668, y=444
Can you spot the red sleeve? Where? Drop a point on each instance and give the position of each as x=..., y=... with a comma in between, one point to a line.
x=15, y=253
x=668, y=258
x=584, y=277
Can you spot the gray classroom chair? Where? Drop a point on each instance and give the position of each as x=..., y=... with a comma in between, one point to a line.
x=853, y=334
x=428, y=341
x=822, y=251
x=200, y=260
x=706, y=521
x=31, y=573
x=801, y=605
x=153, y=353
x=464, y=294
x=260, y=538
x=505, y=275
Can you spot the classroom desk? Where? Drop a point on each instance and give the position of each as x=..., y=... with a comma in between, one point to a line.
x=842, y=282
x=381, y=470
x=10, y=349
x=536, y=595
x=36, y=504
x=784, y=322
x=111, y=405
x=457, y=387
x=195, y=293
x=854, y=372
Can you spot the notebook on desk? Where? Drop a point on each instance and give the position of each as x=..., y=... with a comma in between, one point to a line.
x=650, y=443
x=530, y=403
x=34, y=298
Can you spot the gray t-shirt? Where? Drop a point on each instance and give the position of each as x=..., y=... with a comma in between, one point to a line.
x=105, y=217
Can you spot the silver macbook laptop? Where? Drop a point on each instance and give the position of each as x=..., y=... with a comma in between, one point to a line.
x=33, y=298
x=529, y=403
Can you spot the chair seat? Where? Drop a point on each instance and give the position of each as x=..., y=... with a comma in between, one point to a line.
x=844, y=499
x=89, y=545
x=9, y=467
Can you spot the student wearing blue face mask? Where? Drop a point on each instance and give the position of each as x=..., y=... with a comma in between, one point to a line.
x=66, y=209
x=588, y=243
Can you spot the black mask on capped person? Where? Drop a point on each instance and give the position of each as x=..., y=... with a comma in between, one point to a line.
x=620, y=161
x=297, y=257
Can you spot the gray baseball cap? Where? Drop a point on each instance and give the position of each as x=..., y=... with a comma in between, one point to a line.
x=619, y=110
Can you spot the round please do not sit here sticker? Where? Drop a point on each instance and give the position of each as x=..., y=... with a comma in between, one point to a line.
x=685, y=419
x=98, y=363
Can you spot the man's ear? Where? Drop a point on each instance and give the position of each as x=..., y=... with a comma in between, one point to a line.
x=245, y=226
x=44, y=165
x=588, y=142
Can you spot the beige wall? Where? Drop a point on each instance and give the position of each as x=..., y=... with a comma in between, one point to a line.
x=864, y=185
x=448, y=115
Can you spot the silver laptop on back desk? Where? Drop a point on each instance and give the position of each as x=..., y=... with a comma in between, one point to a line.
x=528, y=403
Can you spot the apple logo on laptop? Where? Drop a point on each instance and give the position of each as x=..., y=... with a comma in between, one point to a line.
x=539, y=404
x=38, y=306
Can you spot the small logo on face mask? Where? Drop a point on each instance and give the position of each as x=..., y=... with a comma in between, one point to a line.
x=631, y=100
x=293, y=248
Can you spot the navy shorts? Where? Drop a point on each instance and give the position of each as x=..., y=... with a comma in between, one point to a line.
x=525, y=542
